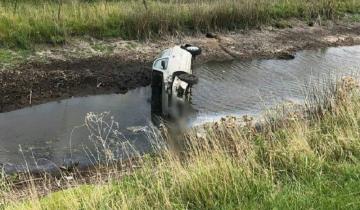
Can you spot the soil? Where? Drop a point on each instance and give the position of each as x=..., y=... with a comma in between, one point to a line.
x=35, y=83
x=87, y=66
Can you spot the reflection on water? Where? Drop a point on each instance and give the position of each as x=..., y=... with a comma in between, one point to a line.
x=224, y=88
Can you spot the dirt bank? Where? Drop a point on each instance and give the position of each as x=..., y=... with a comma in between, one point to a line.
x=87, y=66
x=35, y=83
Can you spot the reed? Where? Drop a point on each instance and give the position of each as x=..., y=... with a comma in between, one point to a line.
x=25, y=23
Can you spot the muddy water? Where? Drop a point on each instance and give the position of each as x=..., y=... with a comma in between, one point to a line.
x=43, y=136
x=54, y=134
x=249, y=87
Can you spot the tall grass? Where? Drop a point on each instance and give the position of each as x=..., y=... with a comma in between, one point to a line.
x=37, y=21
x=300, y=162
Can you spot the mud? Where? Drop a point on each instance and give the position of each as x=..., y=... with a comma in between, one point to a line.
x=87, y=66
x=35, y=83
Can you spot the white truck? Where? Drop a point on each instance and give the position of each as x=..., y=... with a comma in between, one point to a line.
x=172, y=79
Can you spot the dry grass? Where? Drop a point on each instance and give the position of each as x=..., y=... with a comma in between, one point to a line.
x=27, y=22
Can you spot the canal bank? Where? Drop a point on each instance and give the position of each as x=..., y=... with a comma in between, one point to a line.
x=90, y=67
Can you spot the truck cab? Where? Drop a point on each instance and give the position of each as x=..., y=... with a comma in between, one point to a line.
x=172, y=79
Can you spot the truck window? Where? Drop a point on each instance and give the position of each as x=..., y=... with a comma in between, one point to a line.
x=158, y=64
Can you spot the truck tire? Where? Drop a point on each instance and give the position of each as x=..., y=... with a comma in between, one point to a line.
x=188, y=78
x=195, y=51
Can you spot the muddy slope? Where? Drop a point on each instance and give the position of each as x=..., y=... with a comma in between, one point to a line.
x=36, y=83
x=68, y=71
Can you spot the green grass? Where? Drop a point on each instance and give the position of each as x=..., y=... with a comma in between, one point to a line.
x=218, y=185
x=5, y=55
x=298, y=162
x=46, y=22
x=12, y=57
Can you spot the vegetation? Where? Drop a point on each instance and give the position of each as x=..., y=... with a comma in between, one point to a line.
x=294, y=161
x=25, y=22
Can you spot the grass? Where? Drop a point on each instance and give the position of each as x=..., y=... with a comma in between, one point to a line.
x=291, y=161
x=5, y=55
x=12, y=57
x=26, y=23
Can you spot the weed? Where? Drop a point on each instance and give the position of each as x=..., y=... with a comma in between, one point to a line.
x=53, y=23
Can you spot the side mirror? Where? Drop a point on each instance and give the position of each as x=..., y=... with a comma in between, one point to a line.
x=163, y=64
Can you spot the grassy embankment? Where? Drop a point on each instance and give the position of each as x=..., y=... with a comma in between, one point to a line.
x=296, y=163
x=24, y=23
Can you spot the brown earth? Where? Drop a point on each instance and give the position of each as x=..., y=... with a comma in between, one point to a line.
x=36, y=83
x=79, y=68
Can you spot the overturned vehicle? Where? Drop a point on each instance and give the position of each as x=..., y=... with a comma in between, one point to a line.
x=172, y=80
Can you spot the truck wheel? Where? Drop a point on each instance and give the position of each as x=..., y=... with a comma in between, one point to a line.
x=188, y=78
x=195, y=51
